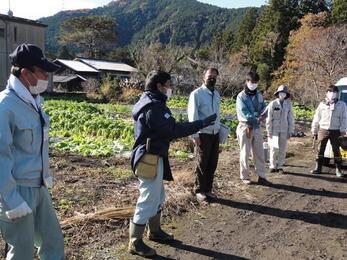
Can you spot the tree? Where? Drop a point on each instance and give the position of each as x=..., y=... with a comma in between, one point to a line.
x=270, y=35
x=121, y=54
x=316, y=57
x=243, y=36
x=64, y=53
x=93, y=34
x=158, y=56
x=314, y=6
x=339, y=12
x=221, y=44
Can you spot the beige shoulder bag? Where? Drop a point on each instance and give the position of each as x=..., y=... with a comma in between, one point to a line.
x=148, y=164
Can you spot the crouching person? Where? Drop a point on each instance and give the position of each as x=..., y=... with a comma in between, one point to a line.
x=279, y=127
x=329, y=123
x=154, y=129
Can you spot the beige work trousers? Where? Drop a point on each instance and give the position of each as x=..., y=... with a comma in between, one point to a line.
x=278, y=155
x=254, y=144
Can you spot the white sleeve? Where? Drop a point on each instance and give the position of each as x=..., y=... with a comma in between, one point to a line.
x=193, y=109
x=291, y=120
x=343, y=118
x=316, y=119
x=269, y=118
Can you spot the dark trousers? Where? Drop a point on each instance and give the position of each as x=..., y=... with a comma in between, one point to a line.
x=323, y=137
x=207, y=154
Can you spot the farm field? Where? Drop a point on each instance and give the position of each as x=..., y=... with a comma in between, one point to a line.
x=107, y=129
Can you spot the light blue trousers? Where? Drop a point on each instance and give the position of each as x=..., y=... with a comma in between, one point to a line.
x=40, y=228
x=152, y=195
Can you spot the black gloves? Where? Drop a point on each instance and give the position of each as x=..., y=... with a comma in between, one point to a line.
x=208, y=121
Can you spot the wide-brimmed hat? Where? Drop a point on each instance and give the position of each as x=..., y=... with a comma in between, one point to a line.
x=284, y=89
x=29, y=55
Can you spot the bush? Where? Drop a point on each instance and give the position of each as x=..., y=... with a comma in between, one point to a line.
x=111, y=88
x=91, y=86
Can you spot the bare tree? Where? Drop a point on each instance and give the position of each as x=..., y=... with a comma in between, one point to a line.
x=324, y=60
x=158, y=56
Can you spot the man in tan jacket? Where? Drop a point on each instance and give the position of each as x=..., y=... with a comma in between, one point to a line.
x=329, y=123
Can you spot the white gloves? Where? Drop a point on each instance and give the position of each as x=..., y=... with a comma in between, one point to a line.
x=22, y=210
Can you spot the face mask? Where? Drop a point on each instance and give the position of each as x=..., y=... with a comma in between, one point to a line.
x=210, y=83
x=168, y=93
x=252, y=86
x=40, y=87
x=282, y=95
x=331, y=95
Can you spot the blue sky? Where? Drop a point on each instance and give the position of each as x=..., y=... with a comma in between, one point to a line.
x=235, y=3
x=42, y=8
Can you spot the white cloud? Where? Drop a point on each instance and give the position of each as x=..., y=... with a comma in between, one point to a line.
x=34, y=9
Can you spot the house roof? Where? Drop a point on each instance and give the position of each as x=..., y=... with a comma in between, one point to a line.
x=342, y=82
x=5, y=17
x=76, y=65
x=66, y=78
x=108, y=65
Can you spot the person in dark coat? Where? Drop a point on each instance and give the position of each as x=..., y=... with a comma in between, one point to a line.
x=155, y=128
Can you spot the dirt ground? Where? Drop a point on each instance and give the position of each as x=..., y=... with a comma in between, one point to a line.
x=302, y=216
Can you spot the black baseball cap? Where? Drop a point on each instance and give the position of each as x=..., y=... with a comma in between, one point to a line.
x=29, y=55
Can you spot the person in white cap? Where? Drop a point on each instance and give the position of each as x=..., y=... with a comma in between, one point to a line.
x=280, y=126
x=27, y=217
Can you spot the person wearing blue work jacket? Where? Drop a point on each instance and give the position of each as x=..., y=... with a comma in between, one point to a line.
x=27, y=217
x=155, y=128
x=251, y=111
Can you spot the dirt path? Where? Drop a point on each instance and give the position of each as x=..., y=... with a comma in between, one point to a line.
x=301, y=216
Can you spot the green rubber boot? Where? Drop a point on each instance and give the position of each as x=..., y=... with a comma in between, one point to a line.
x=155, y=233
x=136, y=244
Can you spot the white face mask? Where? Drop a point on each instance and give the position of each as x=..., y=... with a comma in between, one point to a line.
x=168, y=93
x=40, y=87
x=282, y=95
x=331, y=95
x=252, y=86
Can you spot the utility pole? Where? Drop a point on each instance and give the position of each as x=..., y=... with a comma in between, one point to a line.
x=10, y=13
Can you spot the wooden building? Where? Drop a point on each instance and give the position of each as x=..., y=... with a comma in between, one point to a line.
x=13, y=32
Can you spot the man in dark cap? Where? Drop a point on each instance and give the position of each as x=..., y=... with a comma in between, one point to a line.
x=27, y=217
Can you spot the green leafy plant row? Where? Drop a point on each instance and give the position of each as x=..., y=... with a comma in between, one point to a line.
x=88, y=129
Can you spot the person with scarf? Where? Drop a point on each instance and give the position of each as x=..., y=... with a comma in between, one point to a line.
x=155, y=128
x=279, y=127
x=204, y=101
x=251, y=111
x=27, y=217
x=329, y=123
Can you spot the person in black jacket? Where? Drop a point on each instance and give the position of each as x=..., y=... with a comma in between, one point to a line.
x=154, y=121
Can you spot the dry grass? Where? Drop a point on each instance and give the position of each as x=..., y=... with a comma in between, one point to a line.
x=106, y=214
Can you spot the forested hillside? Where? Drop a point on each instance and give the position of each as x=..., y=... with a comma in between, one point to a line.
x=177, y=22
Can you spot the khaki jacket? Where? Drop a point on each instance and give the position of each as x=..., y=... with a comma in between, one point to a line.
x=280, y=119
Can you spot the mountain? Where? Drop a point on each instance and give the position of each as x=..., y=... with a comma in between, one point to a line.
x=177, y=22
